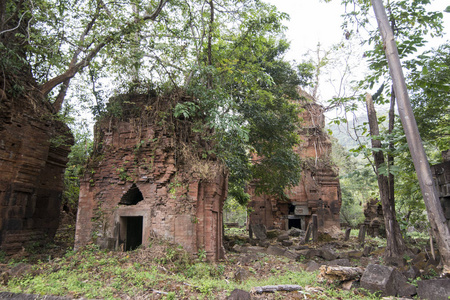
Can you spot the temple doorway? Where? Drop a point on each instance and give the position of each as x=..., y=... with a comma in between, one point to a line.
x=131, y=232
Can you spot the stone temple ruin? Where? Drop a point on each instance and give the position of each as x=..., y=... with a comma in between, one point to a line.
x=441, y=176
x=374, y=218
x=318, y=191
x=151, y=175
x=33, y=155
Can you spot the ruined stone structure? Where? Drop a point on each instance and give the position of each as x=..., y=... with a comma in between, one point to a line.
x=441, y=176
x=374, y=218
x=33, y=155
x=318, y=191
x=151, y=175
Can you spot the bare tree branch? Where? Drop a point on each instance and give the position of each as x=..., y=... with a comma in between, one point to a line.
x=62, y=93
x=18, y=25
x=75, y=67
x=156, y=12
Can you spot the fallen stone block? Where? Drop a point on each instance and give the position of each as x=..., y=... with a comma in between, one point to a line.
x=301, y=247
x=291, y=255
x=275, y=250
x=238, y=294
x=403, y=288
x=378, y=278
x=395, y=261
x=286, y=243
x=388, y=281
x=312, y=253
x=406, y=290
x=327, y=254
x=354, y=254
x=294, y=232
x=263, y=243
x=255, y=249
x=283, y=237
x=322, y=253
x=303, y=252
x=412, y=272
x=273, y=233
x=241, y=275
x=247, y=258
x=367, y=250
x=312, y=266
x=434, y=289
x=340, y=262
x=259, y=230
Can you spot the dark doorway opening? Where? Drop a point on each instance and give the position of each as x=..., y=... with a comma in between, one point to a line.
x=132, y=229
x=295, y=223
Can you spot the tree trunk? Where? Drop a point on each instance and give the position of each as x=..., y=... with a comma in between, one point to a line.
x=340, y=273
x=76, y=66
x=435, y=212
x=395, y=245
x=390, y=157
x=210, y=32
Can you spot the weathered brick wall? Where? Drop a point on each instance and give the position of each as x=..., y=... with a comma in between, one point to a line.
x=318, y=191
x=441, y=177
x=374, y=219
x=33, y=156
x=182, y=193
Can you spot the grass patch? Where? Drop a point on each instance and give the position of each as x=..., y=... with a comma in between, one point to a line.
x=165, y=269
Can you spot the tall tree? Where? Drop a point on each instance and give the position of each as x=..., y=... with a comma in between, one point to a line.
x=235, y=73
x=40, y=39
x=395, y=246
x=411, y=24
x=251, y=103
x=429, y=192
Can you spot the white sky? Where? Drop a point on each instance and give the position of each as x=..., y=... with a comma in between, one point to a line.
x=311, y=22
x=314, y=21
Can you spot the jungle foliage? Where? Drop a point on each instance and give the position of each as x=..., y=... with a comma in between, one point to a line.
x=414, y=24
x=82, y=53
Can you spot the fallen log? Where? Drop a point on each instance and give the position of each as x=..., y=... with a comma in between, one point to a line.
x=340, y=273
x=276, y=288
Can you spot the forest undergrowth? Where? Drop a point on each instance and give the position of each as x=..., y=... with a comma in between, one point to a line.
x=163, y=270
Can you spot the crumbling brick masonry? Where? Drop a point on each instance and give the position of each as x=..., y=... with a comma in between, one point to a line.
x=33, y=155
x=441, y=176
x=318, y=191
x=151, y=175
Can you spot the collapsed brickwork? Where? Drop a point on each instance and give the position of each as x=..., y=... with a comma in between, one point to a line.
x=318, y=191
x=374, y=218
x=33, y=155
x=441, y=176
x=151, y=175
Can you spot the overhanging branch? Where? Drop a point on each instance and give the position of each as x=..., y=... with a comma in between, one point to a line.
x=75, y=67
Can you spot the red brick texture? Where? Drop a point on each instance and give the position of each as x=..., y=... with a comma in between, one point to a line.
x=177, y=192
x=318, y=191
x=33, y=155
